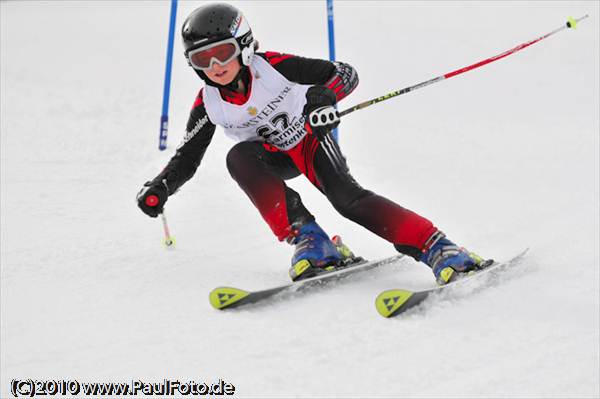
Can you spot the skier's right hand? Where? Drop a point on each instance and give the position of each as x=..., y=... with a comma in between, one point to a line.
x=152, y=197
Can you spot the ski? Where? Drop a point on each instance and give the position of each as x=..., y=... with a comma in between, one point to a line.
x=229, y=297
x=394, y=302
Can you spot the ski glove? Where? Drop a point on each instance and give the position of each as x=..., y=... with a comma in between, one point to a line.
x=319, y=112
x=152, y=197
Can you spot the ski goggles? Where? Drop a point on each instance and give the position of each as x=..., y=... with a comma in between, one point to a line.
x=220, y=52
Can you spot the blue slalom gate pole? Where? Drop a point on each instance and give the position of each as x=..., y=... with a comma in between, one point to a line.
x=331, y=44
x=164, y=118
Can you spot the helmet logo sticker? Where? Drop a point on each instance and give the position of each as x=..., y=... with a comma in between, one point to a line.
x=236, y=24
x=246, y=39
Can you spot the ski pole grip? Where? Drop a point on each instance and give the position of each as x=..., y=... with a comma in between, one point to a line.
x=152, y=200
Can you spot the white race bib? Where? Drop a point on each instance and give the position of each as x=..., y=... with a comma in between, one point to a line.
x=272, y=114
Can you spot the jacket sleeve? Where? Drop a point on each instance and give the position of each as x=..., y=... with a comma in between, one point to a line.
x=189, y=154
x=340, y=77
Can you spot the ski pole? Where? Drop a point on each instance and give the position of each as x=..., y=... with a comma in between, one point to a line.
x=153, y=200
x=571, y=23
x=169, y=241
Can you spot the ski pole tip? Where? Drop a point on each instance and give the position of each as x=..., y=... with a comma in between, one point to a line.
x=572, y=22
x=169, y=242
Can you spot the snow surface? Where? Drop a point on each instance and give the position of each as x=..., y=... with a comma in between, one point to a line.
x=501, y=158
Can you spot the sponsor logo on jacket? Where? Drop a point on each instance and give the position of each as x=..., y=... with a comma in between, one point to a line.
x=190, y=135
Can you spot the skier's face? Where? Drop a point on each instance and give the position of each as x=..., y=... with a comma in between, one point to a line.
x=223, y=74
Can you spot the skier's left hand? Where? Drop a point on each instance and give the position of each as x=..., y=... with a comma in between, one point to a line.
x=319, y=111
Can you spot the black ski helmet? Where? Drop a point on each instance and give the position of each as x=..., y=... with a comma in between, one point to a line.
x=215, y=22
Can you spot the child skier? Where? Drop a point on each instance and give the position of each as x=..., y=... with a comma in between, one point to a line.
x=280, y=110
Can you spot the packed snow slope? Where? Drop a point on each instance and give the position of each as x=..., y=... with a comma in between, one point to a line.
x=501, y=158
